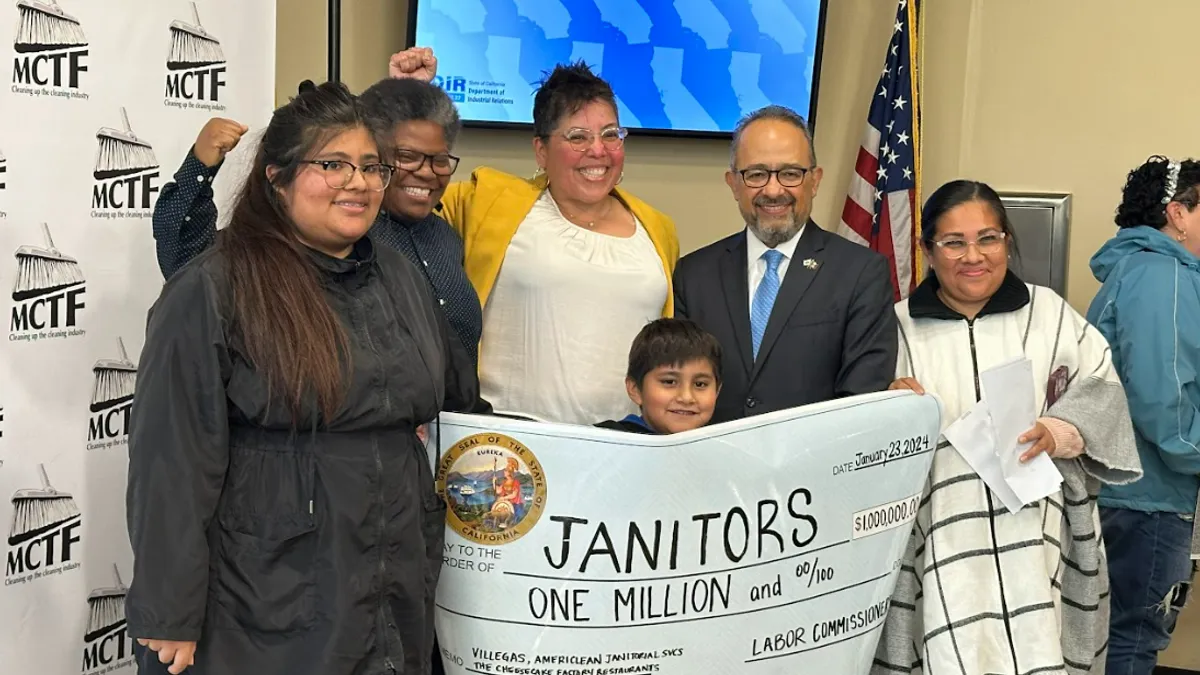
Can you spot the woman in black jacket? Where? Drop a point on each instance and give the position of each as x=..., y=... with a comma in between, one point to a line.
x=281, y=508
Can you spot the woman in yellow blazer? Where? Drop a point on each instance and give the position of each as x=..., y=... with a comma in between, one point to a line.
x=567, y=265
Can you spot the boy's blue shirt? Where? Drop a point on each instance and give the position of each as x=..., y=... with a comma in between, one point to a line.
x=637, y=419
x=631, y=423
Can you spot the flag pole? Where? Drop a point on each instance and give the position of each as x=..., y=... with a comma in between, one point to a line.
x=916, y=51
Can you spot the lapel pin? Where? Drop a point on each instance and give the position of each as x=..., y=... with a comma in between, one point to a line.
x=811, y=264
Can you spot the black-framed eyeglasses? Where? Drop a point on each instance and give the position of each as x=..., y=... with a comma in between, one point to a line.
x=957, y=247
x=581, y=139
x=442, y=164
x=338, y=173
x=788, y=176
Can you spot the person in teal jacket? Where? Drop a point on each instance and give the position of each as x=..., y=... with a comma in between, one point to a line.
x=1149, y=310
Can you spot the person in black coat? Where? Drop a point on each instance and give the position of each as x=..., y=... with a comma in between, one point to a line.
x=803, y=315
x=281, y=508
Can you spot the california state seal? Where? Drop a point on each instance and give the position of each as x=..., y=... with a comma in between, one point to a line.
x=494, y=487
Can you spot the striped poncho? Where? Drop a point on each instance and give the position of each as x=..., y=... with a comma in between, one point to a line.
x=983, y=590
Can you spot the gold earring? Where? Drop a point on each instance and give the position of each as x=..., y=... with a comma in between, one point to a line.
x=1181, y=237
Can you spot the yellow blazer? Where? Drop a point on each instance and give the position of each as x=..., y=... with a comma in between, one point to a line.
x=487, y=210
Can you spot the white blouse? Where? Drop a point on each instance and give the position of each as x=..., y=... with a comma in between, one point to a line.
x=562, y=315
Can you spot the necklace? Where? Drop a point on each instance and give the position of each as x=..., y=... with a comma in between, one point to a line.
x=591, y=224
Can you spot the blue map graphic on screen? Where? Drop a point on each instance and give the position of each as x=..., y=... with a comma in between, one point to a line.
x=683, y=65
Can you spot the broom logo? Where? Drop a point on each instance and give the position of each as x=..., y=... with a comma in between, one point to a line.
x=192, y=46
x=121, y=152
x=50, y=44
x=44, y=26
x=195, y=65
x=107, y=639
x=42, y=534
x=48, y=291
x=112, y=399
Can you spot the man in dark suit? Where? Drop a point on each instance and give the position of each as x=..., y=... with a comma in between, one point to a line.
x=803, y=315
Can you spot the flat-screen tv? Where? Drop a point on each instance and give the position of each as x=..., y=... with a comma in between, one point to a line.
x=691, y=67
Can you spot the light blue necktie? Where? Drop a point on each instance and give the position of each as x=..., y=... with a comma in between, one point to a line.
x=764, y=298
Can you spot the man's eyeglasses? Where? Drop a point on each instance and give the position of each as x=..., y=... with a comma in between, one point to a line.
x=789, y=176
x=581, y=139
x=441, y=164
x=338, y=173
x=955, y=247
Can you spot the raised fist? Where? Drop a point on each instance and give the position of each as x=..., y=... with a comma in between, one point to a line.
x=418, y=63
x=218, y=137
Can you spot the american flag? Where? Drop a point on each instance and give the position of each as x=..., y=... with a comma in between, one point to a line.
x=882, y=211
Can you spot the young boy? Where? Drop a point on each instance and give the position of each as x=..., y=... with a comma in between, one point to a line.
x=674, y=376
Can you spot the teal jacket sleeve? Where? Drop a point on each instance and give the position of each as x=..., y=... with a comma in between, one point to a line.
x=1159, y=345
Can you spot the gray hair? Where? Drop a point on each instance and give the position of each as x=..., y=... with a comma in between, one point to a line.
x=771, y=112
x=395, y=101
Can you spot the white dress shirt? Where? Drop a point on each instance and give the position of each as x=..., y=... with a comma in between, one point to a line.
x=757, y=267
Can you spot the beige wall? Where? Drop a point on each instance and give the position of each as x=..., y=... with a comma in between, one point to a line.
x=299, y=45
x=1057, y=95
x=371, y=31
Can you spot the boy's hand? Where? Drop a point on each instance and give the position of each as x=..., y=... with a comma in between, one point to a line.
x=217, y=139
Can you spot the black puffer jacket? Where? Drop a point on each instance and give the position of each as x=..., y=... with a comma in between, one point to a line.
x=281, y=551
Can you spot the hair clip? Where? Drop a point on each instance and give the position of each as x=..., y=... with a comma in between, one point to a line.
x=1172, y=182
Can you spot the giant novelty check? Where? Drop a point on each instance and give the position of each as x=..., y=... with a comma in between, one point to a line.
x=765, y=545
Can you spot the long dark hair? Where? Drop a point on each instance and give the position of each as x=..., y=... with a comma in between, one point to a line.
x=1146, y=186
x=291, y=334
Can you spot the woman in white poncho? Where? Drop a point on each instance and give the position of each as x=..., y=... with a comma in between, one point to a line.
x=983, y=590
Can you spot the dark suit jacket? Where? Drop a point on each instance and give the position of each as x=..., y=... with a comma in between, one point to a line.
x=832, y=331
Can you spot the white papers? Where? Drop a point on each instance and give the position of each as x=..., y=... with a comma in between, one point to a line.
x=1008, y=391
x=975, y=439
x=987, y=437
